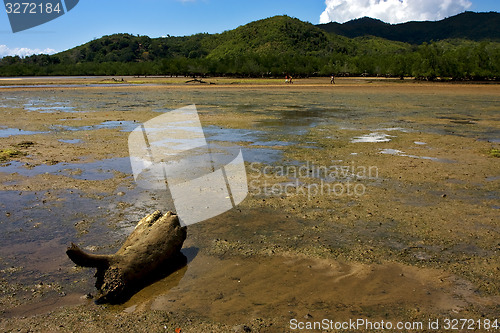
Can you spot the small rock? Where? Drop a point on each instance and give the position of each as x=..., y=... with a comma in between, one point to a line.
x=88, y=296
x=130, y=309
x=121, y=194
x=241, y=329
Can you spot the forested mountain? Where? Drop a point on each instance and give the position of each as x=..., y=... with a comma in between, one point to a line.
x=270, y=47
x=468, y=25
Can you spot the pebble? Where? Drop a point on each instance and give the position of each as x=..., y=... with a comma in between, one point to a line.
x=241, y=329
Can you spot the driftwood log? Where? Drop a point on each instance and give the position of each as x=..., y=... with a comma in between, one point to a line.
x=196, y=80
x=199, y=81
x=153, y=246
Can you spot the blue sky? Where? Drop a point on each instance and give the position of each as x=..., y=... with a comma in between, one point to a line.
x=94, y=18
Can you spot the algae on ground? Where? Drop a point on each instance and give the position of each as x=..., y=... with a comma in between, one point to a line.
x=7, y=154
x=25, y=144
x=494, y=152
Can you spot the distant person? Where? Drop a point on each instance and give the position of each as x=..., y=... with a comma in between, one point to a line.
x=286, y=79
x=291, y=79
x=332, y=79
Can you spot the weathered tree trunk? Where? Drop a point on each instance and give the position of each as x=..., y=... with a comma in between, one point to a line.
x=153, y=245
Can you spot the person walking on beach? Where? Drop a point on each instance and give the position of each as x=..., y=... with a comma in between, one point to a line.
x=286, y=78
x=291, y=80
x=332, y=79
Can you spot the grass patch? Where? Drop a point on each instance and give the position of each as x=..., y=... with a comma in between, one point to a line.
x=494, y=152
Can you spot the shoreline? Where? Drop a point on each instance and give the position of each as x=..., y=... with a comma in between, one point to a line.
x=112, y=81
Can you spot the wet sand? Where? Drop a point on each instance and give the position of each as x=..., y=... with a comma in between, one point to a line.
x=415, y=240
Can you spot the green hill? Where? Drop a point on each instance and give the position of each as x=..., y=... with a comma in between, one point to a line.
x=279, y=34
x=129, y=48
x=270, y=47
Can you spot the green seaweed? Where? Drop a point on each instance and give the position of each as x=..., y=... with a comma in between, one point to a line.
x=7, y=154
x=494, y=152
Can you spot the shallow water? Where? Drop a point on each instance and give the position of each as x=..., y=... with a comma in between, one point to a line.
x=100, y=170
x=293, y=111
x=396, y=152
x=373, y=137
x=124, y=126
x=6, y=132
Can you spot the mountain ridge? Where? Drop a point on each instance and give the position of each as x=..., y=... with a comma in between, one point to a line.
x=466, y=25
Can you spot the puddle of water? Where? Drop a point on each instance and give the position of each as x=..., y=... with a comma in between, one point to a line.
x=99, y=170
x=492, y=178
x=104, y=169
x=70, y=140
x=390, y=129
x=38, y=226
x=272, y=143
x=42, y=106
x=125, y=125
x=215, y=133
x=373, y=138
x=6, y=132
x=160, y=110
x=234, y=289
x=397, y=152
x=262, y=155
x=45, y=306
x=66, y=109
x=464, y=122
x=492, y=140
x=392, y=152
x=287, y=127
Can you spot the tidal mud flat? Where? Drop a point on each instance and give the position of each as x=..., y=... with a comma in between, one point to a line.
x=367, y=199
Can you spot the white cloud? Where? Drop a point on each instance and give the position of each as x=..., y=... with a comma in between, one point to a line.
x=392, y=11
x=22, y=51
